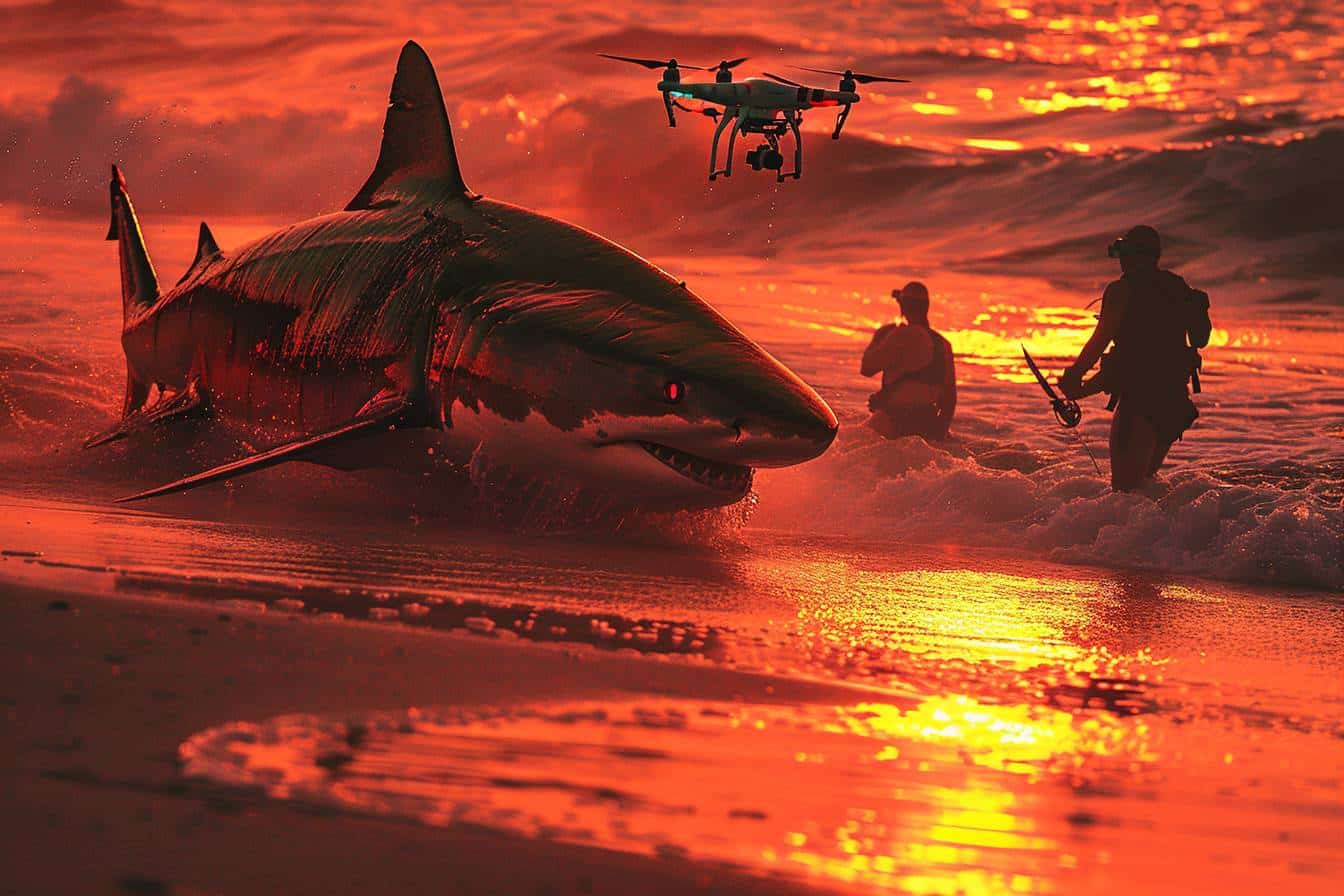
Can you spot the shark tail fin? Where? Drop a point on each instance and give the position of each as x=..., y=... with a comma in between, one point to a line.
x=139, y=283
x=207, y=250
x=417, y=140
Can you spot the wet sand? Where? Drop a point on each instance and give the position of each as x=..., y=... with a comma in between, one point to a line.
x=188, y=713
x=99, y=691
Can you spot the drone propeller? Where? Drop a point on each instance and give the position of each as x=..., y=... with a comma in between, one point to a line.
x=850, y=75
x=653, y=63
x=727, y=64
x=782, y=80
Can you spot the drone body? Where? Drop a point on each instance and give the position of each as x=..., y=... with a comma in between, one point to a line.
x=758, y=96
x=770, y=106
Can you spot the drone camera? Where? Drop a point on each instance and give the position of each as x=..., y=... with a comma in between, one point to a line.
x=765, y=157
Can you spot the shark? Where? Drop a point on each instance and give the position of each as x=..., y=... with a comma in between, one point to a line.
x=425, y=319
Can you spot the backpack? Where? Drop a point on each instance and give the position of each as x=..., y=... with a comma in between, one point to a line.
x=1198, y=328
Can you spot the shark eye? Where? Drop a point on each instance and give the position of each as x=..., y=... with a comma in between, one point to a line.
x=674, y=391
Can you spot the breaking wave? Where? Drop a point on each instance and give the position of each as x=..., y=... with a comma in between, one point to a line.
x=1189, y=521
x=1244, y=208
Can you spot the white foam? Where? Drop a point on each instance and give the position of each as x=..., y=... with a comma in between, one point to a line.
x=1189, y=522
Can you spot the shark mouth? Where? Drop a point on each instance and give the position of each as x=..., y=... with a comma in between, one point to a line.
x=711, y=474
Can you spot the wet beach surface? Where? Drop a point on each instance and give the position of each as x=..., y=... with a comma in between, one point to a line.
x=810, y=714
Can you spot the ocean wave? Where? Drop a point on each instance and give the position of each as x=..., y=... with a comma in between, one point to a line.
x=1243, y=208
x=45, y=397
x=1188, y=522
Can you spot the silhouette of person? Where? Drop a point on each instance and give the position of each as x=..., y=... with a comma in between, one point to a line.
x=1157, y=323
x=919, y=379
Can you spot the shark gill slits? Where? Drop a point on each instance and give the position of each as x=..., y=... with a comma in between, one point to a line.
x=674, y=391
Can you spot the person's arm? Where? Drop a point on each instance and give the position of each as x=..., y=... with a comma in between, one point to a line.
x=1112, y=310
x=947, y=401
x=874, y=357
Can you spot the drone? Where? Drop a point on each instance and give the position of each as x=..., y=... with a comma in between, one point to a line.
x=772, y=108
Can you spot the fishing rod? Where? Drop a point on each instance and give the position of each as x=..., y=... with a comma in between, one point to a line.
x=1067, y=411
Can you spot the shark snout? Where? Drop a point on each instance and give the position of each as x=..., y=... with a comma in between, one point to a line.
x=785, y=424
x=779, y=426
x=762, y=441
x=747, y=439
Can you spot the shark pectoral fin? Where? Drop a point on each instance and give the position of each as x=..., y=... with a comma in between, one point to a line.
x=381, y=412
x=417, y=140
x=168, y=407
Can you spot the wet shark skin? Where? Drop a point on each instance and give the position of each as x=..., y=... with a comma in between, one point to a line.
x=463, y=304
x=301, y=327
x=554, y=284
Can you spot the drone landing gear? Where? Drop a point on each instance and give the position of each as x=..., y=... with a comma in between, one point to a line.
x=797, y=171
x=727, y=171
x=840, y=121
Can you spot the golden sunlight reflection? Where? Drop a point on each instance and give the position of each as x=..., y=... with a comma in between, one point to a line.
x=995, y=145
x=988, y=639
x=946, y=795
x=1019, y=738
x=1112, y=57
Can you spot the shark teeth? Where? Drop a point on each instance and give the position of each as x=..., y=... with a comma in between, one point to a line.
x=711, y=474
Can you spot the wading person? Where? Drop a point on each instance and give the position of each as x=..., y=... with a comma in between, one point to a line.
x=919, y=379
x=1157, y=323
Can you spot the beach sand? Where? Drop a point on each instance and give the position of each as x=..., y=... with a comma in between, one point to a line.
x=98, y=696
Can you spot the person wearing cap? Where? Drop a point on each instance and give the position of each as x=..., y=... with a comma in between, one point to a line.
x=919, y=379
x=1157, y=323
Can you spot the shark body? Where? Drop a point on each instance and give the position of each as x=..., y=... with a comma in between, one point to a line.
x=482, y=327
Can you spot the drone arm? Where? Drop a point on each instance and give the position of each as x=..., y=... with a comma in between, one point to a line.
x=708, y=112
x=671, y=116
x=840, y=121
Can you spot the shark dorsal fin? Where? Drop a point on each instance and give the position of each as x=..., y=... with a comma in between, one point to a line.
x=417, y=141
x=207, y=250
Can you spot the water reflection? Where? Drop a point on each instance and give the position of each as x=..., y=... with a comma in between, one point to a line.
x=924, y=797
x=1178, y=58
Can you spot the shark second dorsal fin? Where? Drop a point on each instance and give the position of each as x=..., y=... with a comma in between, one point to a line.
x=207, y=250
x=206, y=247
x=417, y=141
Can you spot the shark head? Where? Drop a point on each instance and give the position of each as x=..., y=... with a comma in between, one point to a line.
x=583, y=364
